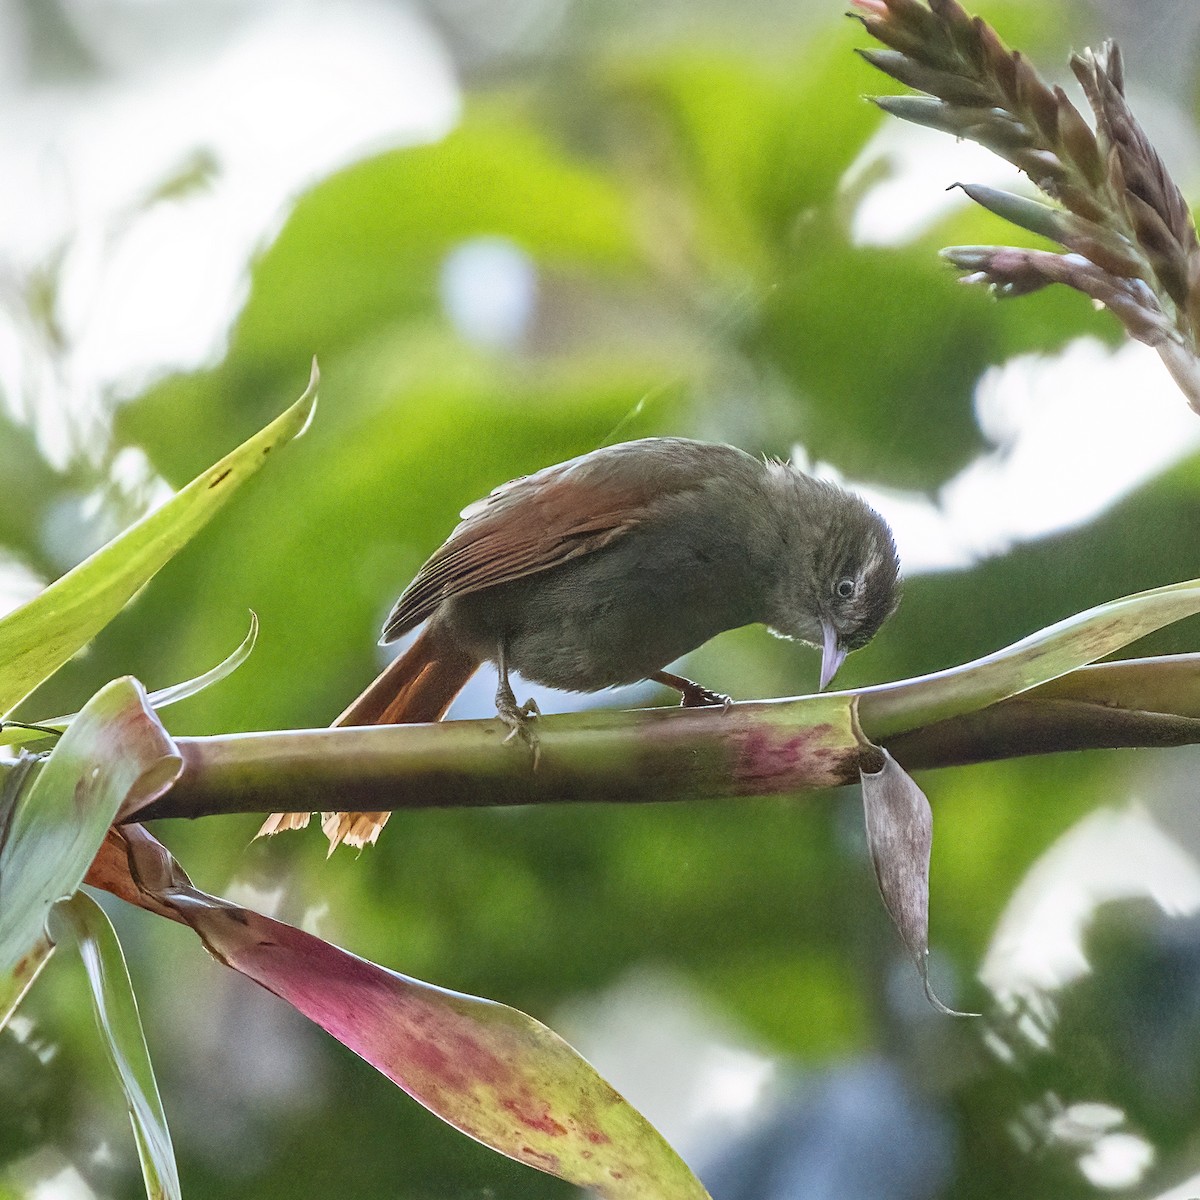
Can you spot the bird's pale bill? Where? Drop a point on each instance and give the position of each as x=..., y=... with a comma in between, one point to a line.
x=833, y=654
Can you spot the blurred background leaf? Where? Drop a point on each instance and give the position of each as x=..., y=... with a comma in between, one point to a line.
x=513, y=232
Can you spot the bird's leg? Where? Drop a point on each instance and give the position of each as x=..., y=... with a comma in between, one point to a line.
x=518, y=717
x=694, y=696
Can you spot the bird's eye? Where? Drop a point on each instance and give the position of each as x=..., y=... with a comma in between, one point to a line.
x=845, y=588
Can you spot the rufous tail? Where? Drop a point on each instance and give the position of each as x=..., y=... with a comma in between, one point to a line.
x=418, y=686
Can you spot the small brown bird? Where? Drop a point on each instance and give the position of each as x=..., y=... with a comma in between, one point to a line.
x=601, y=570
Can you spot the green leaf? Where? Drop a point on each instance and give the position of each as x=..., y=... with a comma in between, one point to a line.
x=115, y=757
x=1167, y=684
x=121, y=1030
x=490, y=1071
x=21, y=966
x=227, y=666
x=1043, y=656
x=19, y=734
x=39, y=637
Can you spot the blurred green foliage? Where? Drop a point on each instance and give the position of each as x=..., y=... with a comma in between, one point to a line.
x=684, y=210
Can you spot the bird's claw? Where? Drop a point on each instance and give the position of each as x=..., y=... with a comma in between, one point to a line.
x=519, y=718
x=696, y=696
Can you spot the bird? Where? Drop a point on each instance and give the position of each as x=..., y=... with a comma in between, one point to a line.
x=604, y=569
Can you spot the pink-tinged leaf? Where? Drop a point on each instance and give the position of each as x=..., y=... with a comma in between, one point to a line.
x=494, y=1073
x=900, y=838
x=115, y=758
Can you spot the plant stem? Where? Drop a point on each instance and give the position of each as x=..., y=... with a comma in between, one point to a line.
x=652, y=755
x=657, y=755
x=1020, y=727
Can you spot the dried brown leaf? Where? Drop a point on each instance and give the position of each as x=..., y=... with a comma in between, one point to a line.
x=900, y=837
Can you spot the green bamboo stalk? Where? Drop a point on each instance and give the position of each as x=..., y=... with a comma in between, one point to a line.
x=664, y=755
x=651, y=755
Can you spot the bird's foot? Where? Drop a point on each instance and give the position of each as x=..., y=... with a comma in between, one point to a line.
x=696, y=696
x=692, y=694
x=520, y=718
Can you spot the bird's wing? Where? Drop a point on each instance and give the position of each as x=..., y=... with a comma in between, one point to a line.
x=540, y=521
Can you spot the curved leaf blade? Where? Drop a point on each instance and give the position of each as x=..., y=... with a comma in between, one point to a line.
x=120, y=1027
x=16, y=734
x=1169, y=683
x=36, y=639
x=115, y=757
x=1051, y=652
x=193, y=687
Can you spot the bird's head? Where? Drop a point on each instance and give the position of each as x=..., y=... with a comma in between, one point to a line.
x=848, y=581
